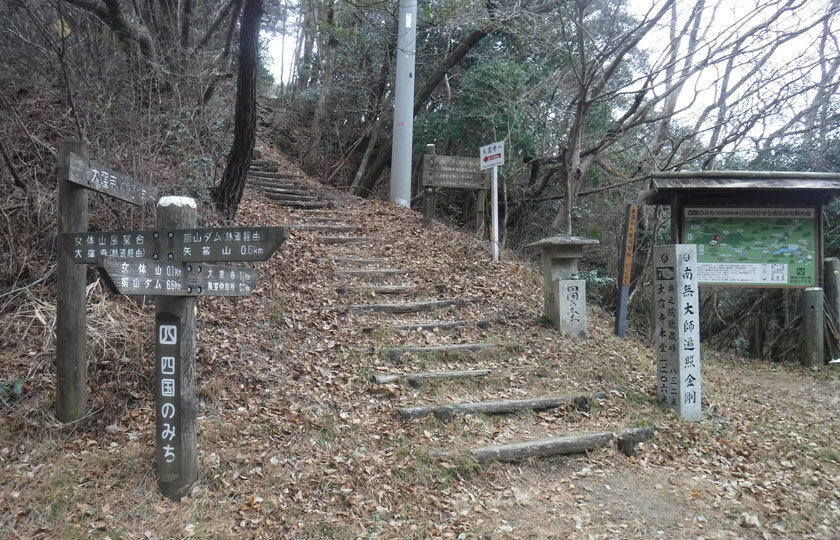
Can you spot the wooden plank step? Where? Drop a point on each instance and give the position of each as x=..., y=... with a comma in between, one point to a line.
x=275, y=175
x=345, y=240
x=376, y=272
x=329, y=228
x=626, y=441
x=395, y=353
x=378, y=289
x=350, y=260
x=410, y=307
x=445, y=412
x=418, y=378
x=300, y=204
x=432, y=325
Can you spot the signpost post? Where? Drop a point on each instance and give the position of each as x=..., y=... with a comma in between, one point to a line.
x=77, y=175
x=491, y=156
x=625, y=266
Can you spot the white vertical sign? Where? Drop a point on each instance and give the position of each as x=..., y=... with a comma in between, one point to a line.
x=493, y=155
x=677, y=329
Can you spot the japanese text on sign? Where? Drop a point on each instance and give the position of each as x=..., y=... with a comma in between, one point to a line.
x=677, y=329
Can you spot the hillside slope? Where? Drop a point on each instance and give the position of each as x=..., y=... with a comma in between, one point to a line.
x=297, y=439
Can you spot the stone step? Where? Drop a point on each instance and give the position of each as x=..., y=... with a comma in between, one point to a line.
x=328, y=228
x=326, y=220
x=434, y=325
x=345, y=240
x=373, y=273
x=378, y=289
x=410, y=307
x=416, y=379
x=395, y=353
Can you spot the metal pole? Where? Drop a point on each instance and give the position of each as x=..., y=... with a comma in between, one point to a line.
x=494, y=203
x=404, y=104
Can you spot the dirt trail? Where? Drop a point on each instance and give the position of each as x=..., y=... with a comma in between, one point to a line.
x=296, y=440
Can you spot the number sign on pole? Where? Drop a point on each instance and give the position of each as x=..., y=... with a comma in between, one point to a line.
x=492, y=156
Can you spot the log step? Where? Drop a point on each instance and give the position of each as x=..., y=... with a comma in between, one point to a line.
x=329, y=228
x=286, y=191
x=263, y=163
x=445, y=412
x=300, y=204
x=377, y=272
x=626, y=441
x=395, y=353
x=410, y=307
x=345, y=240
x=432, y=325
x=417, y=378
x=287, y=197
x=336, y=211
x=282, y=184
x=346, y=260
x=275, y=175
x=378, y=289
x=337, y=221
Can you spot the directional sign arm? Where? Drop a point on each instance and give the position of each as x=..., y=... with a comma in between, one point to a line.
x=224, y=244
x=132, y=277
x=97, y=177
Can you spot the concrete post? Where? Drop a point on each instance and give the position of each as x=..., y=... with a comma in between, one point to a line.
x=404, y=104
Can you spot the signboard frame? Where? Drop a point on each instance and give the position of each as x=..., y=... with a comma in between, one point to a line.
x=453, y=172
x=755, y=212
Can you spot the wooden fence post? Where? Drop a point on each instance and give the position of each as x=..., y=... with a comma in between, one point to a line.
x=812, y=352
x=176, y=454
x=71, y=323
x=428, y=194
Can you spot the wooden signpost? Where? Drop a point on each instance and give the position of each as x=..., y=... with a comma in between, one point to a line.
x=625, y=266
x=170, y=263
x=452, y=172
x=76, y=176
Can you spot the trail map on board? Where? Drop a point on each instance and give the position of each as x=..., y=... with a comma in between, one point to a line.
x=754, y=246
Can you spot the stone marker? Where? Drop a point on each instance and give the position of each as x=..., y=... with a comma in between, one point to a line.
x=560, y=255
x=677, y=329
x=571, y=307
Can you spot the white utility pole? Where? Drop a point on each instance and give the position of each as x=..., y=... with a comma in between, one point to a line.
x=404, y=104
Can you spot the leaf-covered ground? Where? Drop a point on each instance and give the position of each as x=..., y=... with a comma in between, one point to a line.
x=295, y=440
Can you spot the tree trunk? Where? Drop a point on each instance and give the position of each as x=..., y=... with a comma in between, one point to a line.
x=311, y=157
x=366, y=186
x=228, y=194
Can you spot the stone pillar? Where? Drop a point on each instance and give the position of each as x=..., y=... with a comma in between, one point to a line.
x=677, y=329
x=571, y=307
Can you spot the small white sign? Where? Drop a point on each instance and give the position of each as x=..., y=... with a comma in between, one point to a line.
x=492, y=155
